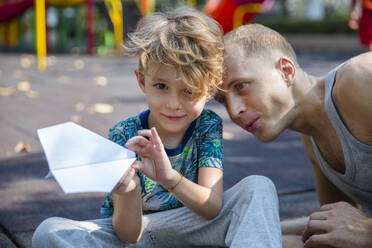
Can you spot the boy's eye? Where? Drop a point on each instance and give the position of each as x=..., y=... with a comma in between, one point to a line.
x=160, y=86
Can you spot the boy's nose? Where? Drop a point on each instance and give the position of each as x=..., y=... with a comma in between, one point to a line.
x=173, y=103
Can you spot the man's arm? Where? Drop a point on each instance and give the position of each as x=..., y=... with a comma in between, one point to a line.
x=352, y=94
x=337, y=224
x=327, y=192
x=326, y=218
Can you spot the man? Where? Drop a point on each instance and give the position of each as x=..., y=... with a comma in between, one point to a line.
x=265, y=91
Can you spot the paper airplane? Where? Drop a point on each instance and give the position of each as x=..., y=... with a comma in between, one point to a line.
x=83, y=161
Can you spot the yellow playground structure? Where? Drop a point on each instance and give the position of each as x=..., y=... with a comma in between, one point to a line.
x=229, y=13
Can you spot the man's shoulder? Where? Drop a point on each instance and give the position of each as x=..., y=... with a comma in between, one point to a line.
x=352, y=92
x=355, y=74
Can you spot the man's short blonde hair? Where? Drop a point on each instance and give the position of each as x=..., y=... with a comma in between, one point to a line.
x=256, y=38
x=185, y=39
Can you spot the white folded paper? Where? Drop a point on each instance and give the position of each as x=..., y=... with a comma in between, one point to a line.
x=83, y=161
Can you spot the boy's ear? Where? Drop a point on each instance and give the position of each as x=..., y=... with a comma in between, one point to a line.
x=140, y=79
x=288, y=70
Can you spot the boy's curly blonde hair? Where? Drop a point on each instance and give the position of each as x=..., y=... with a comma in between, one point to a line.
x=183, y=38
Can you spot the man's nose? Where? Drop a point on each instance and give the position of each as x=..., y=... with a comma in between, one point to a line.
x=235, y=106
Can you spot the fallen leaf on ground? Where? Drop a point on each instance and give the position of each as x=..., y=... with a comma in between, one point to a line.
x=6, y=91
x=64, y=79
x=32, y=94
x=79, y=106
x=22, y=147
x=227, y=135
x=25, y=62
x=101, y=81
x=79, y=64
x=76, y=118
x=17, y=74
x=24, y=86
x=51, y=60
x=103, y=108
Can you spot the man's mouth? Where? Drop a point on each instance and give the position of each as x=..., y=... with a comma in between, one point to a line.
x=252, y=125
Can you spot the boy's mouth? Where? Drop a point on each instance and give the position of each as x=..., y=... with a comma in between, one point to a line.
x=174, y=117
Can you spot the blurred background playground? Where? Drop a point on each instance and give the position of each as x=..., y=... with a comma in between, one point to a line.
x=99, y=26
x=60, y=60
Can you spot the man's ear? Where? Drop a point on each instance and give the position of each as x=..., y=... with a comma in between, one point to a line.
x=288, y=70
x=140, y=79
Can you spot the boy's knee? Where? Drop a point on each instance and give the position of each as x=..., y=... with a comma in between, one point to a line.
x=43, y=232
x=258, y=183
x=260, y=186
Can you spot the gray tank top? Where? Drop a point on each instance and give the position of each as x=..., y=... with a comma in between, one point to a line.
x=357, y=180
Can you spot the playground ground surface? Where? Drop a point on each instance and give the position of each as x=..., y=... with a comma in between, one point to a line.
x=98, y=92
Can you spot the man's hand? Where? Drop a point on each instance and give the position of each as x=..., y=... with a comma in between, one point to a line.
x=155, y=162
x=339, y=225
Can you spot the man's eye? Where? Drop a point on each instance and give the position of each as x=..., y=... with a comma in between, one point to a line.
x=160, y=86
x=187, y=92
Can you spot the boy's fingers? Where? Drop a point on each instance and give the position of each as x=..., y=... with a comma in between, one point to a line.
x=122, y=180
x=156, y=139
x=145, y=132
x=137, y=140
x=129, y=176
x=137, y=144
x=125, y=176
x=137, y=165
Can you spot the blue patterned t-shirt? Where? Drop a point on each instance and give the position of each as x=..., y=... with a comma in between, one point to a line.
x=201, y=147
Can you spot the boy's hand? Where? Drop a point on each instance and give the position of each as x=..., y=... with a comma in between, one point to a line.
x=129, y=182
x=155, y=162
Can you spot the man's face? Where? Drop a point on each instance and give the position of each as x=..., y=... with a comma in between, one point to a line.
x=255, y=94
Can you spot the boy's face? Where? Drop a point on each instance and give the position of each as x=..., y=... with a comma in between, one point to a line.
x=256, y=96
x=171, y=104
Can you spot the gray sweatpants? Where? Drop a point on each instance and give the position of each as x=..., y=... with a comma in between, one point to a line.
x=249, y=218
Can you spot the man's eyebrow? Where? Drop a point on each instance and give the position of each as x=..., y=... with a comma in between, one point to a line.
x=237, y=80
x=232, y=82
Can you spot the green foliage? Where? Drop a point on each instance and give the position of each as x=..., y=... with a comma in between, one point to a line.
x=305, y=26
